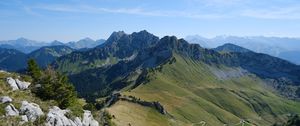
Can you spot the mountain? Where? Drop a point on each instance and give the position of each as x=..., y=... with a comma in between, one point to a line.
x=22, y=44
x=46, y=55
x=119, y=46
x=27, y=46
x=169, y=81
x=85, y=43
x=12, y=60
x=274, y=46
x=292, y=56
x=228, y=47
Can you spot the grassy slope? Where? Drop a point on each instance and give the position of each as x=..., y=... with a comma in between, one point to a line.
x=191, y=94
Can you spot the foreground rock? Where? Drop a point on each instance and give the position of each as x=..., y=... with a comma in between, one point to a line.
x=57, y=117
x=31, y=110
x=16, y=84
x=88, y=119
x=11, y=110
x=22, y=84
x=12, y=83
x=5, y=99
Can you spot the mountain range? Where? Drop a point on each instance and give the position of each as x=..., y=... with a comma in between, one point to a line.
x=27, y=46
x=193, y=84
x=285, y=48
x=141, y=79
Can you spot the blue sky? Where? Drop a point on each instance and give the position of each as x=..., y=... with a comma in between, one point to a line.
x=67, y=20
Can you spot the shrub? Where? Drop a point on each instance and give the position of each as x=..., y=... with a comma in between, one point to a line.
x=54, y=86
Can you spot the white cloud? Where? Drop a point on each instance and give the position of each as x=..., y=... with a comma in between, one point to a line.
x=132, y=11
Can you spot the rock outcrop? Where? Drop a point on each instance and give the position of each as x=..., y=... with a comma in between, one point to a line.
x=11, y=110
x=31, y=110
x=5, y=99
x=22, y=84
x=12, y=83
x=57, y=117
x=88, y=119
x=16, y=84
x=24, y=119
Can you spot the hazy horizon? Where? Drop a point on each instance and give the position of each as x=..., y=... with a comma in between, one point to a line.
x=192, y=35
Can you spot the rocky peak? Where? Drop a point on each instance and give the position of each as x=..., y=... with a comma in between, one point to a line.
x=115, y=36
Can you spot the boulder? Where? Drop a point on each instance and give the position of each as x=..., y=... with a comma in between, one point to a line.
x=56, y=117
x=5, y=99
x=22, y=84
x=12, y=83
x=88, y=119
x=24, y=119
x=11, y=110
x=16, y=84
x=31, y=110
x=77, y=121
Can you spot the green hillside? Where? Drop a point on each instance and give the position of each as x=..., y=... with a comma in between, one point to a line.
x=191, y=93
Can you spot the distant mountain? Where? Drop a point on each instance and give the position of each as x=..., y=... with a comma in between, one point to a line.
x=12, y=60
x=27, y=46
x=22, y=44
x=293, y=56
x=228, y=47
x=85, y=43
x=46, y=55
x=270, y=45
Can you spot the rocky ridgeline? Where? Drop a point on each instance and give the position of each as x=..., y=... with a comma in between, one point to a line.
x=117, y=96
x=32, y=111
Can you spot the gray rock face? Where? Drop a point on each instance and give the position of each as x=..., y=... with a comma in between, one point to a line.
x=56, y=117
x=88, y=119
x=5, y=99
x=16, y=84
x=12, y=83
x=31, y=110
x=11, y=110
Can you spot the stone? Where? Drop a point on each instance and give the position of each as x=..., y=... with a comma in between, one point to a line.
x=22, y=84
x=11, y=110
x=88, y=119
x=12, y=83
x=77, y=121
x=31, y=110
x=5, y=99
x=56, y=117
x=24, y=119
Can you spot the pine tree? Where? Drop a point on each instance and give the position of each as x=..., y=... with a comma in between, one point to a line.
x=33, y=69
